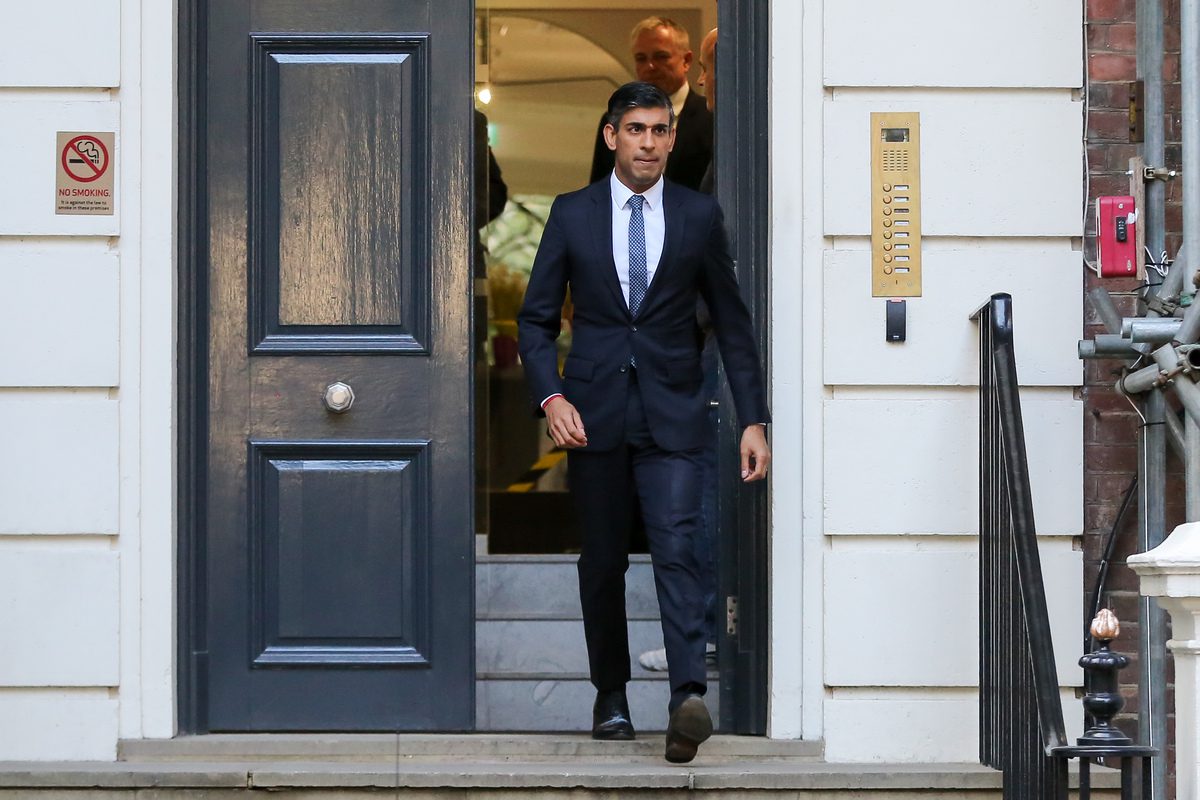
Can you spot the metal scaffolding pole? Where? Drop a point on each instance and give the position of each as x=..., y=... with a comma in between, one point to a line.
x=1152, y=632
x=1189, y=69
x=1152, y=519
x=1189, y=66
x=1149, y=59
x=1191, y=443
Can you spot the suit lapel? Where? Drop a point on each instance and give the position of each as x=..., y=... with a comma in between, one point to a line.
x=673, y=221
x=602, y=238
x=689, y=108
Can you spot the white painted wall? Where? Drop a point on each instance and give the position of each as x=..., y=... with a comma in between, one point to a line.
x=86, y=384
x=28, y=156
x=61, y=43
x=874, y=599
x=960, y=43
x=43, y=349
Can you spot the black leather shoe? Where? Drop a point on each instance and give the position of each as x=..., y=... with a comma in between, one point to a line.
x=689, y=726
x=610, y=717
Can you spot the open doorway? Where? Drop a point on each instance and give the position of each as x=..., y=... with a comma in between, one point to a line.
x=543, y=78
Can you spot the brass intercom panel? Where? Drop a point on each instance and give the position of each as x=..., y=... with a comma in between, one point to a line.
x=896, y=204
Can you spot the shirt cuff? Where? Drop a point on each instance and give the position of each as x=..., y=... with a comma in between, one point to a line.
x=548, y=399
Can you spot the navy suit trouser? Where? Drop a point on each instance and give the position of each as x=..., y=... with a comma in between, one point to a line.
x=668, y=486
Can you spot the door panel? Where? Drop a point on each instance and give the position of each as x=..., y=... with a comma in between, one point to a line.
x=339, y=521
x=340, y=136
x=338, y=547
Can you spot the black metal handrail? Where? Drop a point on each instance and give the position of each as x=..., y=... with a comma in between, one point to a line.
x=1021, y=730
x=1020, y=711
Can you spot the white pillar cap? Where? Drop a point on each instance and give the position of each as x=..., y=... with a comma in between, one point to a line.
x=1173, y=568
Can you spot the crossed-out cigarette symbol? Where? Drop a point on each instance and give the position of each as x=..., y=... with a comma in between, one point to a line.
x=91, y=156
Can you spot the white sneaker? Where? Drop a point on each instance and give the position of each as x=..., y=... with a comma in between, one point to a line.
x=654, y=660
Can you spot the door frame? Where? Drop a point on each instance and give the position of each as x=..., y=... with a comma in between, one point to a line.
x=192, y=365
x=743, y=120
x=742, y=147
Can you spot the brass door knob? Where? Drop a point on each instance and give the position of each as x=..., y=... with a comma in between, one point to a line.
x=338, y=397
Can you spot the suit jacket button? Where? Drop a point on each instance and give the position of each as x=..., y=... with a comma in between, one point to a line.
x=623, y=368
x=633, y=328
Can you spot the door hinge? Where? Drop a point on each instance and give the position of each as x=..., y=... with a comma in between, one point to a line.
x=731, y=615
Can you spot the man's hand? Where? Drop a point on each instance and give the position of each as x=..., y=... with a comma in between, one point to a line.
x=564, y=424
x=756, y=455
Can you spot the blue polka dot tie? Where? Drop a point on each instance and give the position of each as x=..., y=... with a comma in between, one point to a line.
x=639, y=277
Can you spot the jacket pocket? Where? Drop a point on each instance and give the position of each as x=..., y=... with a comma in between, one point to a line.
x=687, y=371
x=579, y=369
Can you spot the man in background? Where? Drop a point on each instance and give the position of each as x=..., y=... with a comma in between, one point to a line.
x=662, y=56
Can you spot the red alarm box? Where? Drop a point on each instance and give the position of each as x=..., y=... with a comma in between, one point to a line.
x=1116, y=242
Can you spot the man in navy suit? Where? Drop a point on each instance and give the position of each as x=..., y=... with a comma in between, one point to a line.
x=636, y=252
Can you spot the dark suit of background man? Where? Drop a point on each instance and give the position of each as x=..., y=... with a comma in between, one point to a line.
x=662, y=56
x=636, y=252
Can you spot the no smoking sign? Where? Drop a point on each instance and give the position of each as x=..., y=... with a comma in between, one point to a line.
x=85, y=173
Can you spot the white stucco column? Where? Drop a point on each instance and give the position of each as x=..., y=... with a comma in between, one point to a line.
x=1171, y=573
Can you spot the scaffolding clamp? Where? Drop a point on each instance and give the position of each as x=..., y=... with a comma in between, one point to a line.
x=1164, y=308
x=1160, y=174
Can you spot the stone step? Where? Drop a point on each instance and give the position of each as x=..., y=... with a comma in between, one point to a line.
x=555, y=704
x=547, y=587
x=376, y=747
x=567, y=778
x=549, y=646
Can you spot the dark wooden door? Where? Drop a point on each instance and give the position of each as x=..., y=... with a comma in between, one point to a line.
x=337, y=548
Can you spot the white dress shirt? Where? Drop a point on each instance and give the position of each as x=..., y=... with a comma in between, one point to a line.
x=656, y=229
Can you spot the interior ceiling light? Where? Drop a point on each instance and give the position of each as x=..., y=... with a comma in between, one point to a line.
x=485, y=95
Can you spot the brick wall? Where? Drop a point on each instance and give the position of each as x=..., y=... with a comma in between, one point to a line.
x=1111, y=425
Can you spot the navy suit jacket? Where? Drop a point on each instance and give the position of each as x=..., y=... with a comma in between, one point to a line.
x=576, y=252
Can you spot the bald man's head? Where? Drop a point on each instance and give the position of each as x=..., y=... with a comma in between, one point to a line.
x=708, y=71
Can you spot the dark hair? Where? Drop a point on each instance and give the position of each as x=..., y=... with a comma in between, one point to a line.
x=637, y=94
